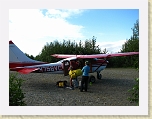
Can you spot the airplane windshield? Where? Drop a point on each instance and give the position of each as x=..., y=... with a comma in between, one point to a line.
x=60, y=61
x=69, y=59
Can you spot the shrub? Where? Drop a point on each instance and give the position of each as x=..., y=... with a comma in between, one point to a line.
x=135, y=92
x=16, y=95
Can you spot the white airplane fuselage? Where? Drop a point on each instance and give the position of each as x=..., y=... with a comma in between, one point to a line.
x=18, y=61
x=57, y=68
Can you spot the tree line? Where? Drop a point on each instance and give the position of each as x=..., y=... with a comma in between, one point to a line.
x=89, y=46
x=68, y=47
x=131, y=45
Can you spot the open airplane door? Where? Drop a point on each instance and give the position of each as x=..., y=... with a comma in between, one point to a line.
x=66, y=65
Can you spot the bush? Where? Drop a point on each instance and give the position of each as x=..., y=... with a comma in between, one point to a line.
x=16, y=95
x=135, y=92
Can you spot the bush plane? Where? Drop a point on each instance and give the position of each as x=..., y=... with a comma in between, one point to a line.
x=19, y=62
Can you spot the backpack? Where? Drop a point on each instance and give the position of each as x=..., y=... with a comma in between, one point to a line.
x=61, y=84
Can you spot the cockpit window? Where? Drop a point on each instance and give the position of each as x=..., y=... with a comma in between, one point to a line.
x=95, y=59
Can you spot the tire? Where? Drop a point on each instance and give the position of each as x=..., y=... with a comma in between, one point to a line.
x=99, y=76
x=92, y=79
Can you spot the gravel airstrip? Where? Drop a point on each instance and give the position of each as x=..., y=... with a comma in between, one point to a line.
x=112, y=90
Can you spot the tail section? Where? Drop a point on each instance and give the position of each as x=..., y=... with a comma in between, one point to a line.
x=18, y=58
x=16, y=55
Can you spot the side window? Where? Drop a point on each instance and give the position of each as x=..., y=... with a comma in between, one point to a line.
x=67, y=63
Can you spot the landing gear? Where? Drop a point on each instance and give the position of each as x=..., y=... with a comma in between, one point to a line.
x=92, y=79
x=99, y=76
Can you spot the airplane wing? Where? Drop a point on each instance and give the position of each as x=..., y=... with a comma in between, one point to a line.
x=95, y=55
x=24, y=70
x=123, y=54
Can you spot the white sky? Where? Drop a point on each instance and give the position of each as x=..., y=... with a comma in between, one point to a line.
x=31, y=29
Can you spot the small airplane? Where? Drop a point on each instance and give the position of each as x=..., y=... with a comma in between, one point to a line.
x=19, y=62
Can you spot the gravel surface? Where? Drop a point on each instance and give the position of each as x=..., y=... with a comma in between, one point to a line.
x=111, y=90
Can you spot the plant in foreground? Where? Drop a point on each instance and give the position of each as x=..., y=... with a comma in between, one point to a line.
x=16, y=95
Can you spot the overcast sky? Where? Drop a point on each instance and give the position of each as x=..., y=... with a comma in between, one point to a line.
x=31, y=29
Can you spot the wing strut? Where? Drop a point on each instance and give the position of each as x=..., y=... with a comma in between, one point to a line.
x=100, y=65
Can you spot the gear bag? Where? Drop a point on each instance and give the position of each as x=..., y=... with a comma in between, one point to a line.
x=61, y=84
x=75, y=73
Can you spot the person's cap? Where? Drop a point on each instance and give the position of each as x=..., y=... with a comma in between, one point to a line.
x=71, y=68
x=86, y=62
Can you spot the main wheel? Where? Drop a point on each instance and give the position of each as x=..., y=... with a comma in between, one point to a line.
x=92, y=79
x=99, y=76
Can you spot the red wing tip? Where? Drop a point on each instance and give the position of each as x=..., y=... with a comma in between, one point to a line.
x=54, y=55
x=11, y=42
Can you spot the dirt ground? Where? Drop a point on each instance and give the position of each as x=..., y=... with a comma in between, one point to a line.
x=111, y=90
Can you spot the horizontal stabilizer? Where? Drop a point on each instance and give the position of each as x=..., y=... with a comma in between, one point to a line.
x=24, y=70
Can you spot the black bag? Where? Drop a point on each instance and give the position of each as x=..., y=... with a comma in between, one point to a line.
x=61, y=84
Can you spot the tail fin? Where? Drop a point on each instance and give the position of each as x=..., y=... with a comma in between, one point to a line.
x=16, y=55
x=18, y=59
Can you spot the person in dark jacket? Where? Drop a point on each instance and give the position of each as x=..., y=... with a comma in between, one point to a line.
x=85, y=77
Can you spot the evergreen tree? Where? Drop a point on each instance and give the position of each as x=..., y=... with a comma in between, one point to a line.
x=131, y=45
x=67, y=47
x=30, y=56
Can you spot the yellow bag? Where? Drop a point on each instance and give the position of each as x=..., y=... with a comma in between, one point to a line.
x=72, y=73
x=75, y=73
x=78, y=72
x=61, y=84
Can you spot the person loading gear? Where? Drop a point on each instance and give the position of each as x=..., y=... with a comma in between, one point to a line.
x=85, y=77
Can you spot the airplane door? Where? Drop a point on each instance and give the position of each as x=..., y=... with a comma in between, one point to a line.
x=66, y=65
